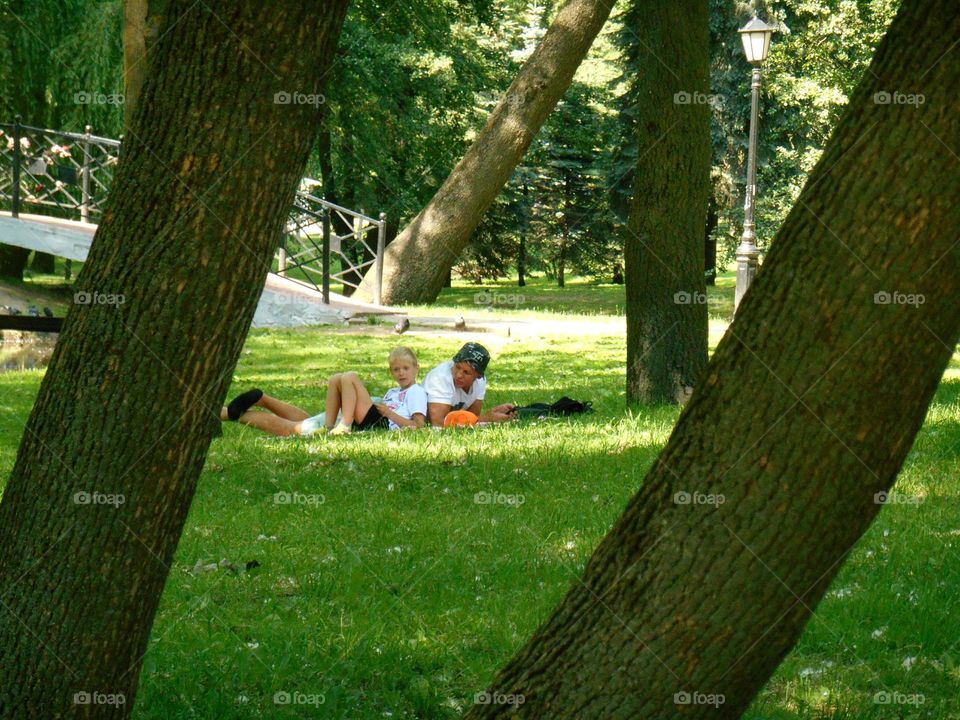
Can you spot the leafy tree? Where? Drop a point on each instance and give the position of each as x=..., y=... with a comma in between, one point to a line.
x=417, y=262
x=773, y=471
x=157, y=366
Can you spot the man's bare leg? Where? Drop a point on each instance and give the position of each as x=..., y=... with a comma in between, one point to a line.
x=282, y=409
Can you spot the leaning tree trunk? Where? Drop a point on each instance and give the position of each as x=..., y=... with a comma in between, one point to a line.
x=111, y=453
x=416, y=263
x=663, y=247
x=806, y=413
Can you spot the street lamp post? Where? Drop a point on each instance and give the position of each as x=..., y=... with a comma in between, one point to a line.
x=756, y=42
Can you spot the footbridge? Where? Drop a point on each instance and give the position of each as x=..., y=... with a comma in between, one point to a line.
x=54, y=184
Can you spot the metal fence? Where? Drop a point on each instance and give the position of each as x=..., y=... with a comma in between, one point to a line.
x=63, y=174
x=68, y=175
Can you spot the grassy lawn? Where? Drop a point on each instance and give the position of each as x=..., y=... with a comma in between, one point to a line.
x=385, y=590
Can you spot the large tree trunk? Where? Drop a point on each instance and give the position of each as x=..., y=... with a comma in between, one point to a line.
x=111, y=453
x=416, y=263
x=663, y=248
x=807, y=412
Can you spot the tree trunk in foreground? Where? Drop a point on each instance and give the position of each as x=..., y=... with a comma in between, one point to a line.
x=806, y=412
x=111, y=453
x=663, y=247
x=416, y=263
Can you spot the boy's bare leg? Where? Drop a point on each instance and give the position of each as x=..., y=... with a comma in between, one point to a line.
x=333, y=400
x=282, y=409
x=270, y=423
x=355, y=402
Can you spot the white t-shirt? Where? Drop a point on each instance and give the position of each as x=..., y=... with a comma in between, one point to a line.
x=406, y=402
x=440, y=388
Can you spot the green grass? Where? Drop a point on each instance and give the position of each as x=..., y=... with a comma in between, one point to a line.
x=579, y=296
x=398, y=595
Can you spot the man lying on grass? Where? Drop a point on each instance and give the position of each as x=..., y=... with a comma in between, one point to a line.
x=404, y=406
x=459, y=384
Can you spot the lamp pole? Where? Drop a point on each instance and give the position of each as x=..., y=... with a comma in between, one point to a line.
x=756, y=42
x=747, y=252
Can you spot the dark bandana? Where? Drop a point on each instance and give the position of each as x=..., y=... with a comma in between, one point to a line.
x=475, y=355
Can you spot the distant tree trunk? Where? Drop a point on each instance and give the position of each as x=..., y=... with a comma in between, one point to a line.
x=663, y=248
x=43, y=263
x=710, y=242
x=141, y=25
x=688, y=597
x=562, y=264
x=522, y=260
x=618, y=274
x=12, y=261
x=417, y=261
x=524, y=229
x=131, y=398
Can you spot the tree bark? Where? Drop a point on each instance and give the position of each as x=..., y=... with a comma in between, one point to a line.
x=43, y=262
x=132, y=395
x=12, y=261
x=417, y=261
x=806, y=413
x=663, y=247
x=142, y=20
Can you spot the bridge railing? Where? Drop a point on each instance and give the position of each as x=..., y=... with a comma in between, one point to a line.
x=58, y=173
x=68, y=175
x=319, y=232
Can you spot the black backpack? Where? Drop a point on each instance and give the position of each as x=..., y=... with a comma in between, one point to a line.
x=564, y=406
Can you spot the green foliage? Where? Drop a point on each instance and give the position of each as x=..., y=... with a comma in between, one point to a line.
x=817, y=57
x=557, y=199
x=58, y=60
x=409, y=89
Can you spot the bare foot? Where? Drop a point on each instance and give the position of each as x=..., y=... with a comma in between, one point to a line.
x=224, y=416
x=341, y=429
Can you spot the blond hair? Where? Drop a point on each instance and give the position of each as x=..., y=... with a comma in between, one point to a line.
x=402, y=352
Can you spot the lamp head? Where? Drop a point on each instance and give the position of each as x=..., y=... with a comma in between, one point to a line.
x=756, y=40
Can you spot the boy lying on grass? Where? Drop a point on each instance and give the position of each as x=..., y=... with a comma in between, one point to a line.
x=404, y=406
